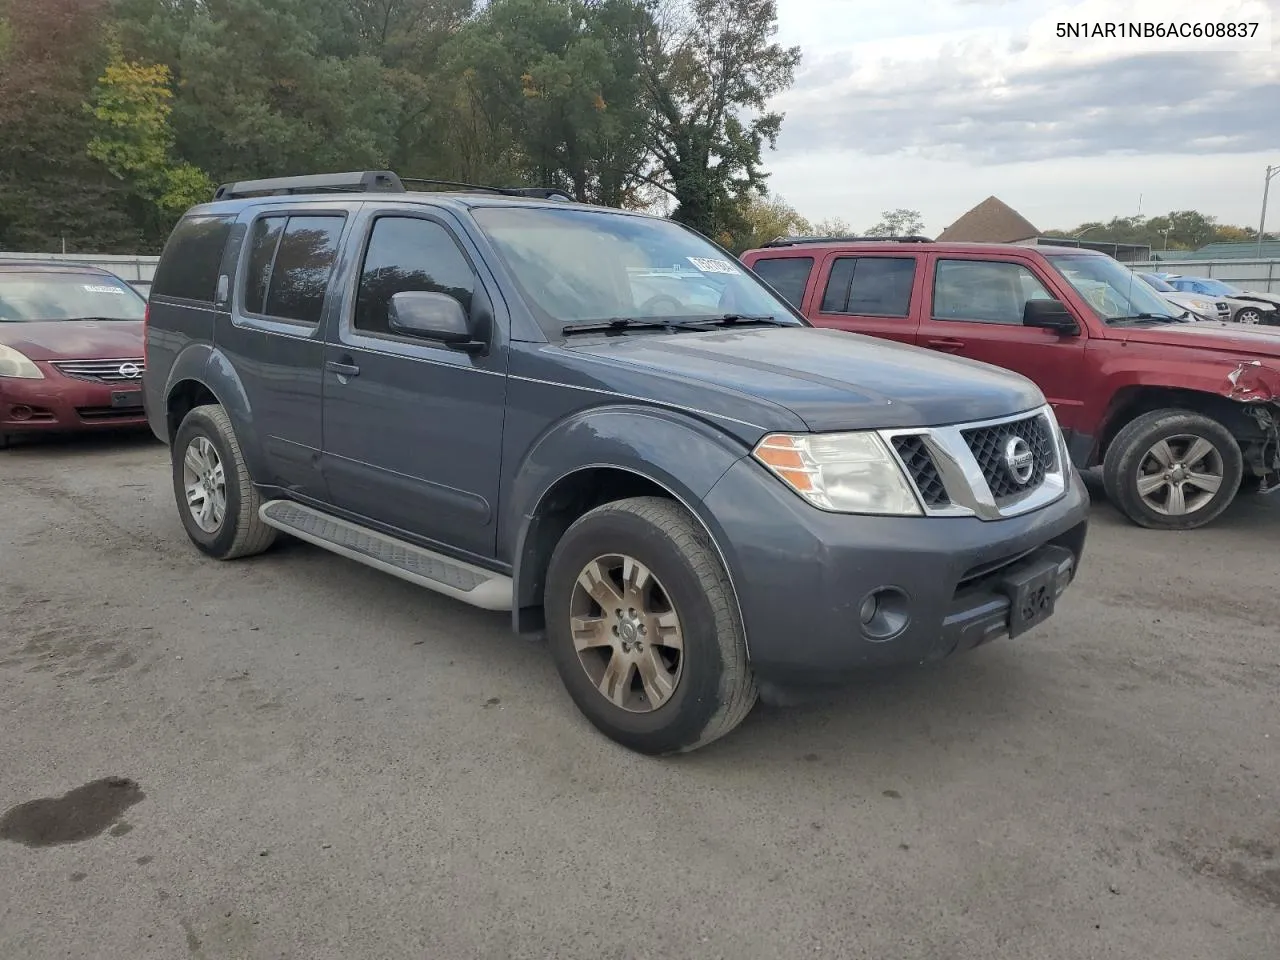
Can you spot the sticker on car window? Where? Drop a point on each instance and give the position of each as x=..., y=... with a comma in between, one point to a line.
x=707, y=265
x=102, y=288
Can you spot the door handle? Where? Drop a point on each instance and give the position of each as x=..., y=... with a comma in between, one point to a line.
x=342, y=369
x=945, y=343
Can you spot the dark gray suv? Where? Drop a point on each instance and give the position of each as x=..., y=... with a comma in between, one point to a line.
x=602, y=422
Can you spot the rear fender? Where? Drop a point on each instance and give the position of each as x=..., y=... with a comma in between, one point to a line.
x=206, y=366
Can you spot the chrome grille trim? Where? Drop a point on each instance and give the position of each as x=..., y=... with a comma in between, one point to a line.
x=102, y=371
x=968, y=491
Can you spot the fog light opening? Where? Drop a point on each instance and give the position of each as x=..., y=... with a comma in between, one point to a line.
x=20, y=412
x=884, y=613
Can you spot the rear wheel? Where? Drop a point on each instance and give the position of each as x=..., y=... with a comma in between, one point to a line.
x=644, y=628
x=216, y=497
x=1173, y=469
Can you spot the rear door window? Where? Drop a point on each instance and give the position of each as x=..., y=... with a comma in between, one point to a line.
x=788, y=275
x=189, y=265
x=290, y=262
x=870, y=286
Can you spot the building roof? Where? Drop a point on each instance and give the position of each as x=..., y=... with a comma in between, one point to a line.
x=1239, y=250
x=991, y=221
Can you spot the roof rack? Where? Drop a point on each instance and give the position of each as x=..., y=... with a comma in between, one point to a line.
x=796, y=241
x=367, y=181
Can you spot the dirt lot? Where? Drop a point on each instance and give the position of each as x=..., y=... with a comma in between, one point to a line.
x=330, y=763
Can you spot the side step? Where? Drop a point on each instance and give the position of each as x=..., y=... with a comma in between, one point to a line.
x=462, y=581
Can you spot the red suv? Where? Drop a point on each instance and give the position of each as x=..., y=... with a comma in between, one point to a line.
x=1181, y=415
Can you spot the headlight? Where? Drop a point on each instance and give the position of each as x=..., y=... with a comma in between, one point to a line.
x=840, y=472
x=1202, y=305
x=15, y=364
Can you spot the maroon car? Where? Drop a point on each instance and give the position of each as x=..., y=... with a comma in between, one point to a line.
x=71, y=356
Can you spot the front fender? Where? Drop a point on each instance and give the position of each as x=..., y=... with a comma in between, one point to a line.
x=684, y=456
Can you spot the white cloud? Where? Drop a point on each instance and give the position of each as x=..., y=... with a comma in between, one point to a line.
x=936, y=104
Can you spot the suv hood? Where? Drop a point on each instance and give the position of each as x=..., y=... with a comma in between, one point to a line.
x=1234, y=338
x=75, y=339
x=830, y=379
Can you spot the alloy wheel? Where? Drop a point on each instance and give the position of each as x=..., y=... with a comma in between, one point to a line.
x=627, y=633
x=1249, y=316
x=1180, y=475
x=205, y=483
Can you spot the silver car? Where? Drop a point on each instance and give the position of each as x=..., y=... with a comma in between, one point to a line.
x=1198, y=305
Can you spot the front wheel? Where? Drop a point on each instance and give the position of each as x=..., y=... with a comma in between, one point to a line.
x=1249, y=315
x=1173, y=470
x=216, y=497
x=645, y=630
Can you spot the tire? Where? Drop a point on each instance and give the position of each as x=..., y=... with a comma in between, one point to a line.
x=1249, y=315
x=714, y=688
x=239, y=532
x=1131, y=458
x=5, y=440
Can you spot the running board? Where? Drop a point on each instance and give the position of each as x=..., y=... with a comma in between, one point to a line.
x=462, y=581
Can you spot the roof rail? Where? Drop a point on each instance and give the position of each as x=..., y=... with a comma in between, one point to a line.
x=538, y=193
x=367, y=181
x=356, y=181
x=796, y=241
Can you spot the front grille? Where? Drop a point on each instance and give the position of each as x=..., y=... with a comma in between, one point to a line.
x=103, y=371
x=921, y=468
x=990, y=447
x=98, y=414
x=1224, y=310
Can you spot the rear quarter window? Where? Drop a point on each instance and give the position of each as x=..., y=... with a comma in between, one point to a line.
x=189, y=264
x=788, y=275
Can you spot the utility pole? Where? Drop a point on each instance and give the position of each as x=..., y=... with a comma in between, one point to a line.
x=1262, y=221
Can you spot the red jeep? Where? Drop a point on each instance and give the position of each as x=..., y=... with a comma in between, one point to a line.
x=1181, y=415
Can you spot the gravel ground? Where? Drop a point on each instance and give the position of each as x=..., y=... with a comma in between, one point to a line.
x=329, y=763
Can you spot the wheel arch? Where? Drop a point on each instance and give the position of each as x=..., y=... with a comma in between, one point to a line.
x=1132, y=402
x=630, y=453
x=202, y=375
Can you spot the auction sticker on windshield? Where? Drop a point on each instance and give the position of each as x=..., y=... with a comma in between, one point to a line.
x=707, y=265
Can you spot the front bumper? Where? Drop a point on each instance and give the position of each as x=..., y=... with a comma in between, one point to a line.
x=802, y=576
x=59, y=403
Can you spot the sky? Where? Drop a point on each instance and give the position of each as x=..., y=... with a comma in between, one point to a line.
x=935, y=105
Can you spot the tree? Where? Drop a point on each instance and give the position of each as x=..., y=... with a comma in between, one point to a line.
x=131, y=105
x=832, y=227
x=1177, y=230
x=897, y=223
x=709, y=67
x=50, y=190
x=766, y=219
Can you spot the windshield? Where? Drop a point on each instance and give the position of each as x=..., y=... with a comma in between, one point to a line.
x=36, y=296
x=1216, y=288
x=588, y=266
x=1157, y=283
x=1112, y=289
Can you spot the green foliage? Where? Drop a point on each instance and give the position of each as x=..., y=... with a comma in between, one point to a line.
x=1177, y=230
x=116, y=115
x=768, y=218
x=709, y=68
x=898, y=223
x=131, y=105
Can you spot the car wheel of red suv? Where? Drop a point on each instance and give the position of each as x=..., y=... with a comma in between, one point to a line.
x=1173, y=469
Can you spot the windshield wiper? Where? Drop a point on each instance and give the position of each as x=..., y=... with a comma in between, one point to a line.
x=729, y=319
x=1139, y=317
x=613, y=323
x=667, y=323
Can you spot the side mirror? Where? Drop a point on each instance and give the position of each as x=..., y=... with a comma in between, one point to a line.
x=431, y=316
x=1050, y=315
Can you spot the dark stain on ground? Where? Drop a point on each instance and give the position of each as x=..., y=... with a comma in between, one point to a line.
x=1250, y=868
x=77, y=877
x=893, y=794
x=143, y=861
x=77, y=815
